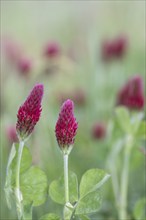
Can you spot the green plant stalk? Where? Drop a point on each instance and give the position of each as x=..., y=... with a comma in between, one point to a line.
x=124, y=182
x=113, y=169
x=66, y=178
x=18, y=194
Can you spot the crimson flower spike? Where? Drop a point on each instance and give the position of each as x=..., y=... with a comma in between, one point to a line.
x=29, y=112
x=66, y=127
x=131, y=94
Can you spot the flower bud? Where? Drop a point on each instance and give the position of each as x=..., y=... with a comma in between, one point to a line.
x=29, y=112
x=131, y=94
x=66, y=125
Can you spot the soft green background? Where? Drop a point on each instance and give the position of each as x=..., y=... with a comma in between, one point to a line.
x=81, y=25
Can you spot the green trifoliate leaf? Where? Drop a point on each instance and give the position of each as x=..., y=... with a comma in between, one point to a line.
x=89, y=203
x=56, y=189
x=139, y=210
x=123, y=119
x=26, y=161
x=50, y=216
x=11, y=170
x=34, y=186
x=92, y=180
x=33, y=181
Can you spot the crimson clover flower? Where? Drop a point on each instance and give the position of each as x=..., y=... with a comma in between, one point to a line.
x=131, y=94
x=29, y=112
x=114, y=49
x=120, y=46
x=66, y=125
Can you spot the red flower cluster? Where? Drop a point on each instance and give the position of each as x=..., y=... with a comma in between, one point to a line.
x=29, y=113
x=99, y=130
x=114, y=49
x=52, y=50
x=131, y=94
x=66, y=125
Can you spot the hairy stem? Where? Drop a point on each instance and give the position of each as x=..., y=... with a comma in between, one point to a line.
x=113, y=169
x=124, y=182
x=66, y=178
x=17, y=189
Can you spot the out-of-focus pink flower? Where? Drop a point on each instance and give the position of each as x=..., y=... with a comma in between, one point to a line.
x=114, y=49
x=99, y=130
x=11, y=134
x=29, y=112
x=107, y=50
x=66, y=126
x=12, y=49
x=120, y=46
x=131, y=94
x=24, y=65
x=52, y=50
x=15, y=54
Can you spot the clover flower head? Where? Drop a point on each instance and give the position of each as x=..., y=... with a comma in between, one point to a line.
x=114, y=49
x=29, y=112
x=66, y=126
x=131, y=94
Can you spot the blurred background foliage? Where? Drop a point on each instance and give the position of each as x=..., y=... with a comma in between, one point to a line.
x=79, y=28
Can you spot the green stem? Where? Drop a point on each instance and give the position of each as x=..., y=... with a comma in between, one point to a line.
x=124, y=182
x=113, y=169
x=66, y=178
x=17, y=189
